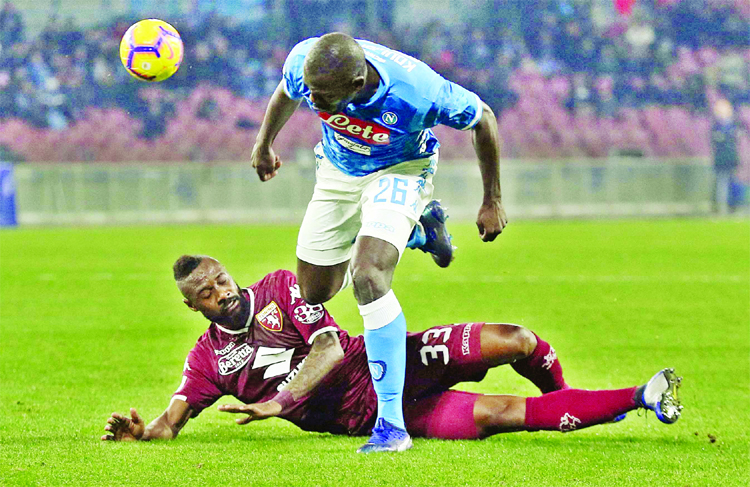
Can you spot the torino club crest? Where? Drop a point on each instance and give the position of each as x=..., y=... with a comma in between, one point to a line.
x=270, y=317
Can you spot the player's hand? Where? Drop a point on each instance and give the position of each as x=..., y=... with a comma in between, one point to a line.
x=121, y=428
x=259, y=410
x=265, y=161
x=491, y=220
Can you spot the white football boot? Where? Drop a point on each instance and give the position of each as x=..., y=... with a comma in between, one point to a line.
x=660, y=396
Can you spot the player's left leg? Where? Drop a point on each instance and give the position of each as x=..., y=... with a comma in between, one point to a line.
x=391, y=205
x=529, y=355
x=455, y=415
x=372, y=266
x=564, y=410
x=331, y=222
x=573, y=409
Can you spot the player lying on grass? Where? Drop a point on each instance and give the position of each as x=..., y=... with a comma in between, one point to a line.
x=283, y=357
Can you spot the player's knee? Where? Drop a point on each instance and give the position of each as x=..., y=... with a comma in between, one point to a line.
x=371, y=279
x=499, y=414
x=503, y=343
x=372, y=268
x=316, y=294
x=370, y=282
x=525, y=341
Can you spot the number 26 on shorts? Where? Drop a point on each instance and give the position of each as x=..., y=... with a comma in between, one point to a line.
x=397, y=191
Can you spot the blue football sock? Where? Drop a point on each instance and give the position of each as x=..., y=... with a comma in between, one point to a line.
x=417, y=238
x=385, y=341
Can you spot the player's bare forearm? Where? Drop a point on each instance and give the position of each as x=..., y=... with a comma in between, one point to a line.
x=165, y=427
x=168, y=425
x=487, y=147
x=325, y=353
x=491, y=218
x=159, y=429
x=279, y=111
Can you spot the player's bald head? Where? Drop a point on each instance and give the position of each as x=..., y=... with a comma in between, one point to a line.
x=337, y=58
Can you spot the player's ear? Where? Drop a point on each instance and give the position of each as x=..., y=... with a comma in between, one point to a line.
x=358, y=82
x=189, y=304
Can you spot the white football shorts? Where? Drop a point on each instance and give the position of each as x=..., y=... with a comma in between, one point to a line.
x=385, y=204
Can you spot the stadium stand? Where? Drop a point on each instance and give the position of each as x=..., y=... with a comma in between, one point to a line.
x=569, y=79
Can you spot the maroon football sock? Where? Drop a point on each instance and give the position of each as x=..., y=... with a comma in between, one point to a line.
x=573, y=409
x=542, y=368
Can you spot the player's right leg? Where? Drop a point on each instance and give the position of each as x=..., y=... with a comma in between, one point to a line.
x=563, y=411
x=431, y=235
x=325, y=241
x=318, y=284
x=372, y=265
x=376, y=254
x=660, y=396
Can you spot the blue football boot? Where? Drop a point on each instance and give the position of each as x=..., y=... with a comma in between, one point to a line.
x=431, y=235
x=386, y=437
x=660, y=396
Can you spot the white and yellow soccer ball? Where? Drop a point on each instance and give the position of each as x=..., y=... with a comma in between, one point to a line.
x=151, y=50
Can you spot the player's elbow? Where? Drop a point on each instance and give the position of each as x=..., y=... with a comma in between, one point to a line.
x=336, y=353
x=487, y=111
x=333, y=357
x=487, y=120
x=330, y=344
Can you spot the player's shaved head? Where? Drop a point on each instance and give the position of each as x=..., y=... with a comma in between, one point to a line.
x=207, y=287
x=185, y=266
x=337, y=57
x=335, y=71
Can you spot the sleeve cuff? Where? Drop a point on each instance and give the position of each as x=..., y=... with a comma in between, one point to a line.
x=320, y=332
x=477, y=116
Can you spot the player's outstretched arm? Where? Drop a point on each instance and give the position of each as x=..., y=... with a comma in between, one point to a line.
x=324, y=354
x=491, y=219
x=167, y=426
x=280, y=109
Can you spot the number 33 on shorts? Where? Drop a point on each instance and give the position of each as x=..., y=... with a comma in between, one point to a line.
x=438, y=351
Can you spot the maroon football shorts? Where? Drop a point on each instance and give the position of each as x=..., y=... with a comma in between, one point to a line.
x=436, y=360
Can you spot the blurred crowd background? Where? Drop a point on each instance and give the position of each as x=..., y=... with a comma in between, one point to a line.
x=567, y=78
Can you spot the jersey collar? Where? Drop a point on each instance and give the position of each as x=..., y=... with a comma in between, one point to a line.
x=385, y=80
x=251, y=296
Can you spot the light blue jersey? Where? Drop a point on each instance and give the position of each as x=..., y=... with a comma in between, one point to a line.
x=394, y=125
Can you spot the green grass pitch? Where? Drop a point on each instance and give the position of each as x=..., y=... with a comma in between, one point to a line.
x=92, y=323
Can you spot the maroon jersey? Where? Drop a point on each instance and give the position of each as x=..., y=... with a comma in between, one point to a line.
x=255, y=363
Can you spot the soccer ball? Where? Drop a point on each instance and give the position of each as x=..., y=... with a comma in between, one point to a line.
x=151, y=50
